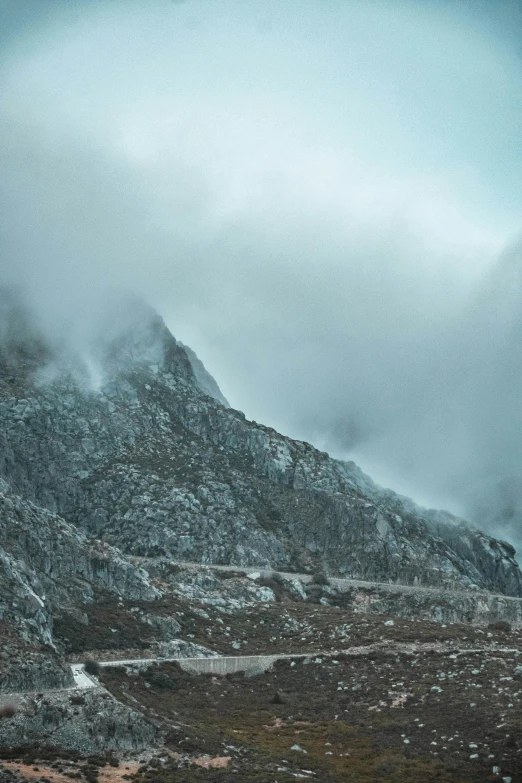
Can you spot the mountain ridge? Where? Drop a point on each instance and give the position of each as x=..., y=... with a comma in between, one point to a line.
x=150, y=463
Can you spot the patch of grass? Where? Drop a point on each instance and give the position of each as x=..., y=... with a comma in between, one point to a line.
x=111, y=626
x=351, y=714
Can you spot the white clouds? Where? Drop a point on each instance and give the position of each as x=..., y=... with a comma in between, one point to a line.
x=305, y=190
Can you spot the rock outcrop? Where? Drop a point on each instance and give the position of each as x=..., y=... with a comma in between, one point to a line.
x=47, y=565
x=92, y=722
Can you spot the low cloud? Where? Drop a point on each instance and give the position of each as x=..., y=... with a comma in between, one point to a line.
x=289, y=196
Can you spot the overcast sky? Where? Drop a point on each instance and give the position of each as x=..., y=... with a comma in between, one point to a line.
x=322, y=198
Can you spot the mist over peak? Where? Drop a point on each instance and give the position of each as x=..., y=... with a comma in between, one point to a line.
x=128, y=337
x=316, y=198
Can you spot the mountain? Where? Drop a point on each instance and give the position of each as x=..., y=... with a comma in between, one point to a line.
x=151, y=461
x=121, y=463
x=129, y=451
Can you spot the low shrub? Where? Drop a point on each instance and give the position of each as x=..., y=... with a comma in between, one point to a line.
x=159, y=680
x=91, y=666
x=8, y=711
x=314, y=593
x=96, y=761
x=320, y=578
x=500, y=625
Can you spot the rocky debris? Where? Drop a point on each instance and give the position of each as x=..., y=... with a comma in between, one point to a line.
x=290, y=626
x=24, y=669
x=90, y=721
x=237, y=590
x=167, y=628
x=226, y=590
x=179, y=648
x=442, y=606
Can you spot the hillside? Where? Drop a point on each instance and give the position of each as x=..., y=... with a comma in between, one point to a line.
x=148, y=462
x=123, y=474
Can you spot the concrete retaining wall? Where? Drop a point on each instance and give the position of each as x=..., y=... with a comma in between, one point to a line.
x=250, y=664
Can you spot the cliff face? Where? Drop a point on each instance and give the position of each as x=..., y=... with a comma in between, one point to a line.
x=48, y=565
x=95, y=725
x=147, y=462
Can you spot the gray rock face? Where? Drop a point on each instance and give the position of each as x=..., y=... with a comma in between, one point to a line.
x=178, y=648
x=24, y=668
x=46, y=565
x=204, y=379
x=61, y=564
x=148, y=463
x=441, y=606
x=91, y=723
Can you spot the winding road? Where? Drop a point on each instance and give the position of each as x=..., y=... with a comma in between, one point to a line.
x=334, y=581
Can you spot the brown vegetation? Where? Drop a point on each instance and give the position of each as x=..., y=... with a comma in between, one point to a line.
x=385, y=718
x=501, y=626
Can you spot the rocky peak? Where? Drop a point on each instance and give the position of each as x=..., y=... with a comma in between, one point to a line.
x=129, y=338
x=133, y=337
x=151, y=463
x=204, y=379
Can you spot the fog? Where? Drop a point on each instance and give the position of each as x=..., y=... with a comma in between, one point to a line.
x=319, y=197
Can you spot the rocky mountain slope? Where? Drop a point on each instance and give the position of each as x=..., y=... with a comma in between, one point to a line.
x=46, y=565
x=143, y=462
x=150, y=463
x=118, y=460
